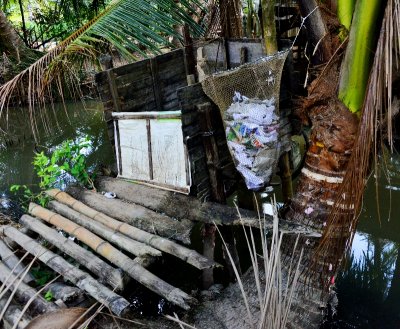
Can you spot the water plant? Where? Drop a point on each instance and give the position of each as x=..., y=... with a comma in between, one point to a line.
x=65, y=162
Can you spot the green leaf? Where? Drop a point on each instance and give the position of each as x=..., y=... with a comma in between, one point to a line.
x=49, y=296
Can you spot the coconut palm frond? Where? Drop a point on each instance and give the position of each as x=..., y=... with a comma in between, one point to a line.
x=376, y=124
x=128, y=25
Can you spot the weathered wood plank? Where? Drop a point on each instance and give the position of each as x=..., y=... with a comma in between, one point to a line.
x=136, y=215
x=181, y=206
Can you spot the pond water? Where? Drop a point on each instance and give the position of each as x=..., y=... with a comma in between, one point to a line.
x=368, y=287
x=18, y=147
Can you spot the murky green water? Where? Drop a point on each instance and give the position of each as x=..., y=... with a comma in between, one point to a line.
x=368, y=288
x=17, y=149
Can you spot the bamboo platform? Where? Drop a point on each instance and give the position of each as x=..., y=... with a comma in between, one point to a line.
x=118, y=239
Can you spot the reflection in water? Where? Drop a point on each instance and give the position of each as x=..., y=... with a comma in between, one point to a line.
x=369, y=285
x=18, y=147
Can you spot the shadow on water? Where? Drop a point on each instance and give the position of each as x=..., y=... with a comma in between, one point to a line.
x=17, y=147
x=369, y=285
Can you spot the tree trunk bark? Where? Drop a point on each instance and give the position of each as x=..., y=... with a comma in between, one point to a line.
x=10, y=42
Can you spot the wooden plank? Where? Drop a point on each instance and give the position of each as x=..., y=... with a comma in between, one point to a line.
x=167, y=57
x=117, y=147
x=168, y=153
x=135, y=87
x=113, y=90
x=156, y=83
x=127, y=69
x=136, y=215
x=142, y=72
x=144, y=104
x=210, y=146
x=149, y=149
x=146, y=115
x=134, y=149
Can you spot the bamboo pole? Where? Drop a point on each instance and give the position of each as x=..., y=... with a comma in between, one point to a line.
x=23, y=291
x=13, y=313
x=117, y=304
x=12, y=261
x=106, y=273
x=64, y=292
x=165, y=245
x=133, y=246
x=105, y=249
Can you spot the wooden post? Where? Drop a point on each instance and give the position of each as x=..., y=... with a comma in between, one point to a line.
x=225, y=44
x=244, y=55
x=217, y=186
x=285, y=173
x=190, y=60
x=211, y=149
x=218, y=194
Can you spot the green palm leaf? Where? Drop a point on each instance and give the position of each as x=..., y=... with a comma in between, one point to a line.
x=128, y=25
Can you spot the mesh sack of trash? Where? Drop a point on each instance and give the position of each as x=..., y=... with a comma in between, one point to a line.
x=252, y=135
x=248, y=98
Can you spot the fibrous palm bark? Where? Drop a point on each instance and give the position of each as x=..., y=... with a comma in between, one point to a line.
x=335, y=123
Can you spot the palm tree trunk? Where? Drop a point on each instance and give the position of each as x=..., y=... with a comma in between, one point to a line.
x=334, y=127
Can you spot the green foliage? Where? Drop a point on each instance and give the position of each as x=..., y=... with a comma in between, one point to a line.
x=67, y=160
x=49, y=296
x=50, y=21
x=42, y=275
